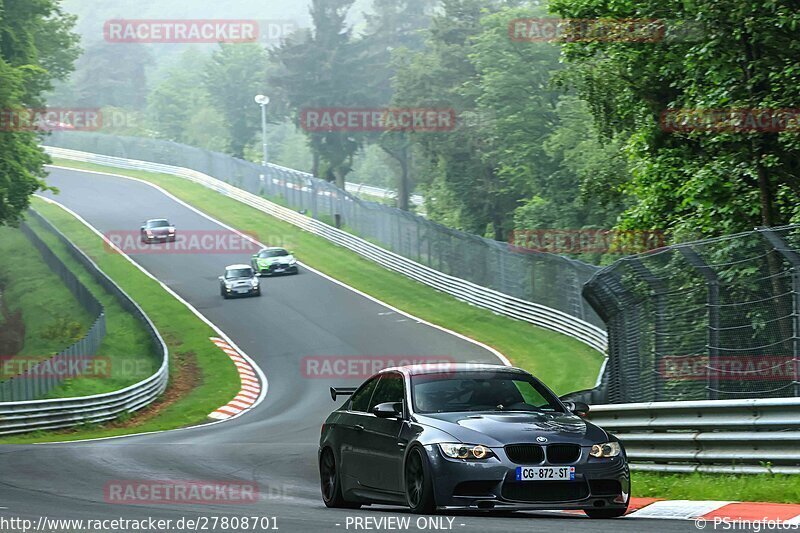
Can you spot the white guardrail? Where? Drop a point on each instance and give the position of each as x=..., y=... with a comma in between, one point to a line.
x=34, y=415
x=466, y=291
x=377, y=192
x=733, y=436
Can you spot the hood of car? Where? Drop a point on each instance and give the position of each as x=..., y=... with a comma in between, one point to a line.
x=283, y=260
x=500, y=429
x=160, y=231
x=238, y=280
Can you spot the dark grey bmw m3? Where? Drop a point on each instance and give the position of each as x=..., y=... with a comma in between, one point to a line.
x=468, y=436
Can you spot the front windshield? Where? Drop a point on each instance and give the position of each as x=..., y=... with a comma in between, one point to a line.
x=264, y=254
x=239, y=273
x=158, y=224
x=481, y=391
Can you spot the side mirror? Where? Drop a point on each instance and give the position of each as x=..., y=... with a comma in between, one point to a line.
x=255, y=256
x=221, y=278
x=388, y=410
x=579, y=408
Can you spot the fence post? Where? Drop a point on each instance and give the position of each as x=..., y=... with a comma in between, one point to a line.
x=313, y=183
x=616, y=306
x=712, y=282
x=782, y=247
x=657, y=286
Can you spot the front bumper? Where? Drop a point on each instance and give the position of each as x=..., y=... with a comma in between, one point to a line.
x=492, y=485
x=275, y=269
x=234, y=293
x=159, y=238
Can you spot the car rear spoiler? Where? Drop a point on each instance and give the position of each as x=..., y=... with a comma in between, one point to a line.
x=341, y=391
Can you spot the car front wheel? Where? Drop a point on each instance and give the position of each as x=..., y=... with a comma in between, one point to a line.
x=330, y=484
x=418, y=483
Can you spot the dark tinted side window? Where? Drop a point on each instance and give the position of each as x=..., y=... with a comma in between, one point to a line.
x=360, y=400
x=390, y=389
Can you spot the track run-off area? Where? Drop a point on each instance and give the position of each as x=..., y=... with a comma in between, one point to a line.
x=272, y=446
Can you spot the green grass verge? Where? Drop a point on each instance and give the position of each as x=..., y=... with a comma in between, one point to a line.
x=563, y=363
x=52, y=317
x=126, y=353
x=721, y=487
x=202, y=377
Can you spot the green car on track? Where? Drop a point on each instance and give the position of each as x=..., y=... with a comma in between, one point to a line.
x=271, y=261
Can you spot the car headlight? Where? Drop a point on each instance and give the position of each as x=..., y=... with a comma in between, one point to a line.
x=607, y=449
x=255, y=283
x=466, y=451
x=292, y=261
x=228, y=284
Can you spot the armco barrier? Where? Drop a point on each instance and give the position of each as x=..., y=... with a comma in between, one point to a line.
x=378, y=192
x=466, y=291
x=733, y=436
x=21, y=417
x=36, y=382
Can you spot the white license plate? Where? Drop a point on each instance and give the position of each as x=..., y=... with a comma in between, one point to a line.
x=545, y=473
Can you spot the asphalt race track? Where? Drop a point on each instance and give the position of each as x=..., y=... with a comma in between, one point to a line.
x=274, y=445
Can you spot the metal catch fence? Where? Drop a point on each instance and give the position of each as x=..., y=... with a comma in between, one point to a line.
x=717, y=319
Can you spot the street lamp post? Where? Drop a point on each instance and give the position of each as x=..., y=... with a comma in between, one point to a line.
x=263, y=101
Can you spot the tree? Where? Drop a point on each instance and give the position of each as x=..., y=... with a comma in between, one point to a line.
x=179, y=108
x=394, y=29
x=697, y=183
x=113, y=75
x=469, y=185
x=582, y=188
x=37, y=46
x=324, y=68
x=235, y=74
